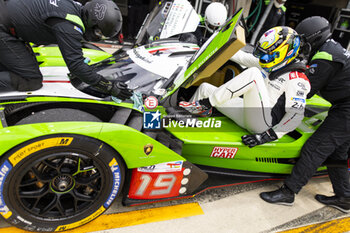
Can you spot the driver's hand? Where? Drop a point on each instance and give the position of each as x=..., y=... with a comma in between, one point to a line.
x=120, y=90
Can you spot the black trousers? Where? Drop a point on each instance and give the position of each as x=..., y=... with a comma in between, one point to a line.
x=19, y=69
x=329, y=141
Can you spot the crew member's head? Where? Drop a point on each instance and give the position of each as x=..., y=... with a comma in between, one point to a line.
x=314, y=31
x=215, y=16
x=102, y=18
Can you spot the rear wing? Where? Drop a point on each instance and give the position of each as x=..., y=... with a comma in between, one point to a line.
x=218, y=49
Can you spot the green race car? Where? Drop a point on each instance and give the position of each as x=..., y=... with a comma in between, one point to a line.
x=67, y=151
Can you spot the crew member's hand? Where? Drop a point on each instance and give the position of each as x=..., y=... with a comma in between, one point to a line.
x=120, y=90
x=260, y=138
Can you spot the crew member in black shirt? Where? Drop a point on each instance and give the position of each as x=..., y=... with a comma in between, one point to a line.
x=62, y=22
x=329, y=75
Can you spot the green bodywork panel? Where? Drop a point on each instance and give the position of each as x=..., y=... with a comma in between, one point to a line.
x=204, y=54
x=67, y=99
x=200, y=142
x=127, y=141
x=51, y=56
x=318, y=101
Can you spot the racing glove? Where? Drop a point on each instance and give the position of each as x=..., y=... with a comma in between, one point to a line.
x=120, y=90
x=116, y=88
x=260, y=138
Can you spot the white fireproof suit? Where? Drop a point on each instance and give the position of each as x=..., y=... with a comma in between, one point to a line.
x=260, y=95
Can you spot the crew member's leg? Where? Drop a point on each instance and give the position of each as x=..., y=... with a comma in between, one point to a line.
x=339, y=176
x=326, y=142
x=18, y=65
x=314, y=152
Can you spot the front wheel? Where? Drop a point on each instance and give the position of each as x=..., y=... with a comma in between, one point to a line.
x=58, y=182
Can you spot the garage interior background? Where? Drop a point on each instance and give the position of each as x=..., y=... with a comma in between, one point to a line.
x=336, y=11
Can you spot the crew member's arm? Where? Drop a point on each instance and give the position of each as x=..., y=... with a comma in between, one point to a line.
x=69, y=37
x=319, y=72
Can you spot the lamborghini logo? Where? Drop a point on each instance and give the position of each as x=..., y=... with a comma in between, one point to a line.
x=148, y=149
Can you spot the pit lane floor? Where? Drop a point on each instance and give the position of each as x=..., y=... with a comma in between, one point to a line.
x=227, y=209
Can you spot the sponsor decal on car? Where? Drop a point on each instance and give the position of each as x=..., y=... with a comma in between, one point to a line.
x=24, y=221
x=151, y=120
x=142, y=54
x=116, y=181
x=81, y=222
x=148, y=149
x=151, y=102
x=224, y=152
x=4, y=171
x=37, y=146
x=157, y=181
x=162, y=167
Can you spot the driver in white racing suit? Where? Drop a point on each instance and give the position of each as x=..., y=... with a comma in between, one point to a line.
x=274, y=89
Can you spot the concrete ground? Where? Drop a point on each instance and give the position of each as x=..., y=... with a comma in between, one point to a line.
x=230, y=209
x=239, y=209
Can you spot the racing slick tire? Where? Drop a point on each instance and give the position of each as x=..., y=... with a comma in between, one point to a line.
x=58, y=182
